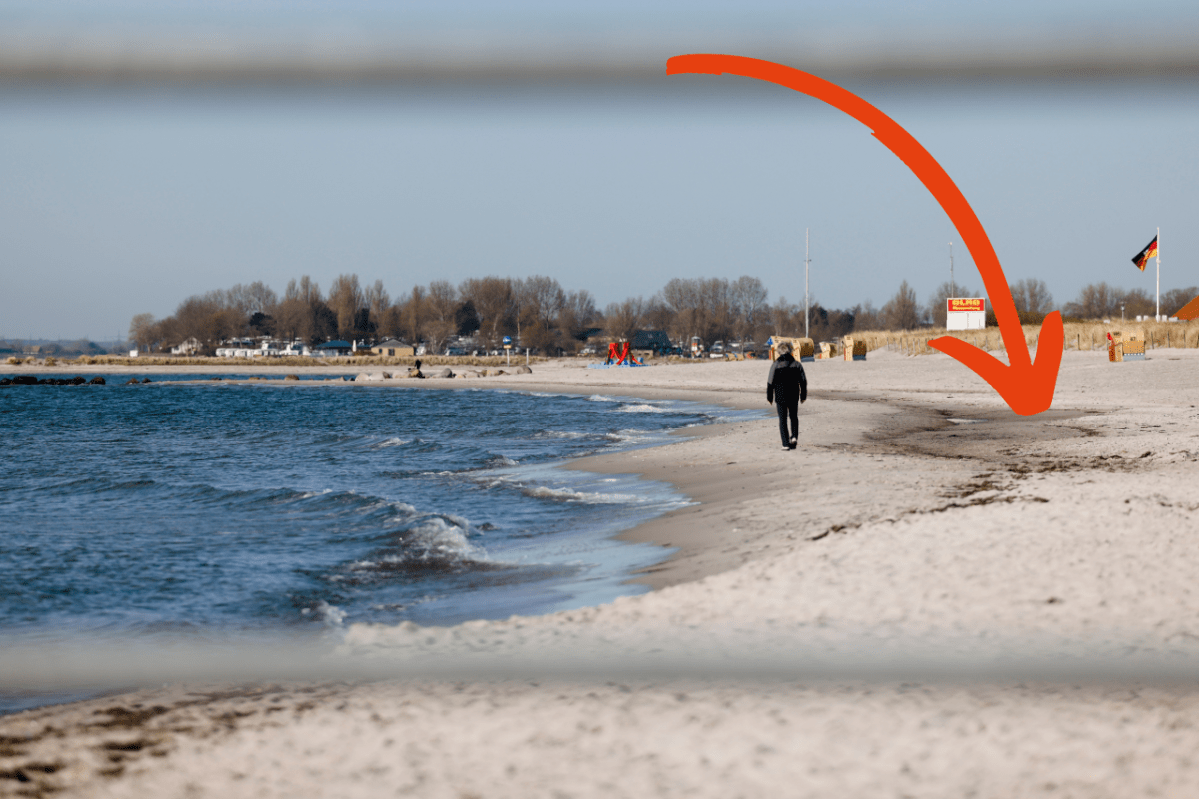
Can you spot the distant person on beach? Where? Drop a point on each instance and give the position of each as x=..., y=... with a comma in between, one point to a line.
x=415, y=370
x=787, y=387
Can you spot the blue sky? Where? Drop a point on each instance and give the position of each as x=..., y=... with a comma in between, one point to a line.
x=120, y=201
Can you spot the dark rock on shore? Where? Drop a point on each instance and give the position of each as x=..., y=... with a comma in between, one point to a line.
x=30, y=380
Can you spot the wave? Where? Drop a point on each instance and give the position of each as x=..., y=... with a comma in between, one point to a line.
x=642, y=407
x=501, y=460
x=571, y=495
x=433, y=542
x=629, y=434
x=561, y=434
x=331, y=615
x=392, y=442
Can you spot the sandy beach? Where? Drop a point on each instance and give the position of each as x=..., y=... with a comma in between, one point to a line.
x=931, y=596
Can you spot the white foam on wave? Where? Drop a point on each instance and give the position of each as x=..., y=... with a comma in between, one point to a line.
x=571, y=495
x=602, y=398
x=642, y=407
x=311, y=494
x=561, y=434
x=629, y=434
x=440, y=538
x=403, y=510
x=392, y=442
x=331, y=615
x=435, y=538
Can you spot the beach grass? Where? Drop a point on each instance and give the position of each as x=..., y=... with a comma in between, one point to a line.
x=1078, y=335
x=289, y=361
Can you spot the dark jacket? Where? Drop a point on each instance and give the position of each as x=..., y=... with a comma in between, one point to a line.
x=787, y=383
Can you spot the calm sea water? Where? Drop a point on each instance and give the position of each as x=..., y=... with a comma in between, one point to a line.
x=223, y=510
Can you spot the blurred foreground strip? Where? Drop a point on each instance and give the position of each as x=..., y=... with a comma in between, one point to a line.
x=78, y=666
x=179, y=57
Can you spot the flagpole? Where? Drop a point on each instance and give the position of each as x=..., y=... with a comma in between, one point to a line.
x=807, y=263
x=953, y=289
x=1159, y=274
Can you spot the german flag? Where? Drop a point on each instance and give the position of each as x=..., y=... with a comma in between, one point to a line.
x=1144, y=255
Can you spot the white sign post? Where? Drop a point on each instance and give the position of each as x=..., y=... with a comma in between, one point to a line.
x=966, y=313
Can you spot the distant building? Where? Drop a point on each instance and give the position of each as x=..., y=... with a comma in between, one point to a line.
x=391, y=348
x=189, y=347
x=1189, y=312
x=656, y=340
x=333, y=349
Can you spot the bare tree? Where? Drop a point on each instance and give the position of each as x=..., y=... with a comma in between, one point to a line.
x=541, y=302
x=786, y=318
x=902, y=312
x=442, y=301
x=716, y=302
x=866, y=317
x=683, y=297
x=378, y=303
x=826, y=323
x=306, y=290
x=165, y=330
x=577, y=315
x=749, y=300
x=437, y=331
x=495, y=301
x=256, y=297
x=293, y=319
x=391, y=322
x=1137, y=302
x=346, y=300
x=623, y=319
x=656, y=315
x=142, y=331
x=1095, y=301
x=1032, y=297
x=415, y=314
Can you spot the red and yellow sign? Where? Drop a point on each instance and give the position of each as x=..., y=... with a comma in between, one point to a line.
x=978, y=304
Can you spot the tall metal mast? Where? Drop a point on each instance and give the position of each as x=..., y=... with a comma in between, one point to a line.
x=953, y=288
x=807, y=263
x=1159, y=275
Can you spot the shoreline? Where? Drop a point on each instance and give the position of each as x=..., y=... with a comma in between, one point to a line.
x=919, y=512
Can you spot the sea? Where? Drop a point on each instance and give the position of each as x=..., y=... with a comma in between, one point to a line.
x=224, y=509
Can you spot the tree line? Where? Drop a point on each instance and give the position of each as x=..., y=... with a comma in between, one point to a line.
x=542, y=315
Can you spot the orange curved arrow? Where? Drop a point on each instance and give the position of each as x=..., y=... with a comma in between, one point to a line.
x=1027, y=387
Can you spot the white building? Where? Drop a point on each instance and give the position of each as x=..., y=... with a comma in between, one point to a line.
x=189, y=347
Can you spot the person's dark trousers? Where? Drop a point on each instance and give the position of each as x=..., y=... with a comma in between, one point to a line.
x=786, y=409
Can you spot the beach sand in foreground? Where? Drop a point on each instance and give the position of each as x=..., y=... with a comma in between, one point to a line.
x=918, y=514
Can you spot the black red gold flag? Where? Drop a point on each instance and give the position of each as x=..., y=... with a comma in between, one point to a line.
x=1144, y=255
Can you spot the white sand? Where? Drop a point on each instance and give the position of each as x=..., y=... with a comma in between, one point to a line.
x=892, y=530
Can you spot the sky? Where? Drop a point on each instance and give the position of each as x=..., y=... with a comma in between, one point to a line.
x=119, y=200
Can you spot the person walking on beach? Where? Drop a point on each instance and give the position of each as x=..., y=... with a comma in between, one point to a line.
x=787, y=387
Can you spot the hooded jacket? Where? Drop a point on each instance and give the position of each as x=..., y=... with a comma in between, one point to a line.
x=787, y=383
